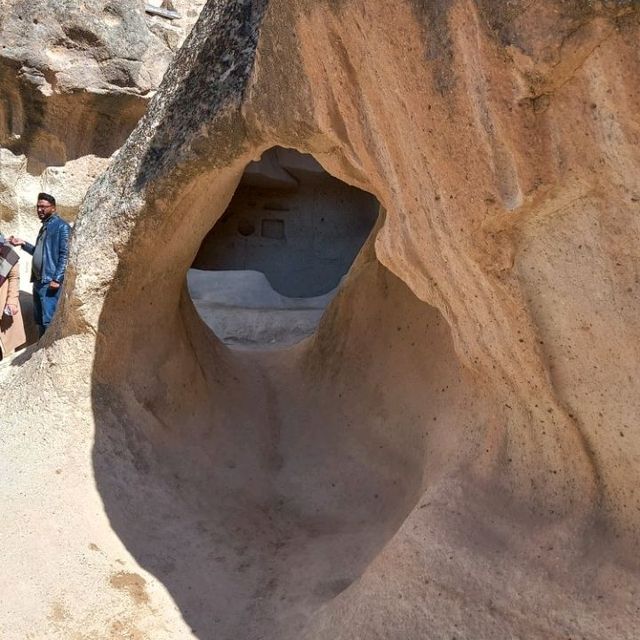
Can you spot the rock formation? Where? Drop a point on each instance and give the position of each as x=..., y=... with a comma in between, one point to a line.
x=75, y=81
x=455, y=453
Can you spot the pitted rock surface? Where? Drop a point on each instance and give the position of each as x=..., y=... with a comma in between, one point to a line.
x=455, y=452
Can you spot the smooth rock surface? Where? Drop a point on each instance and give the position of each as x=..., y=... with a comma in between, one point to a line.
x=243, y=309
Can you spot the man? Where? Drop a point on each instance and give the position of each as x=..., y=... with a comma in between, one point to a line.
x=49, y=260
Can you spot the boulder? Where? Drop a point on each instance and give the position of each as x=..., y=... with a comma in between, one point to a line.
x=455, y=452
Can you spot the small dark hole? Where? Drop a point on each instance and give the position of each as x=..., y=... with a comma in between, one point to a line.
x=246, y=228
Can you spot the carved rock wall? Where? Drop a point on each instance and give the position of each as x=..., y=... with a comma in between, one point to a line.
x=455, y=453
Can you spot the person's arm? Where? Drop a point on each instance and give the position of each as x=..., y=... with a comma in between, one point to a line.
x=13, y=289
x=63, y=253
x=19, y=242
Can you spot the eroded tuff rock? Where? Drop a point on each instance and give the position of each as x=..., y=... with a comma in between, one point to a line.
x=75, y=78
x=455, y=453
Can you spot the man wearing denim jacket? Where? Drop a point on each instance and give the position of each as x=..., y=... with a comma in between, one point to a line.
x=50, y=254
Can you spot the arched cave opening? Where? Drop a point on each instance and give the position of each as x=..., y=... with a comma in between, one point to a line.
x=267, y=270
x=283, y=472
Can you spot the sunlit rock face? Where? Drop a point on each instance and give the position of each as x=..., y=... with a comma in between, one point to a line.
x=454, y=452
x=75, y=78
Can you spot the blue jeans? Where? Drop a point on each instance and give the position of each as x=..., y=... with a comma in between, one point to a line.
x=45, y=301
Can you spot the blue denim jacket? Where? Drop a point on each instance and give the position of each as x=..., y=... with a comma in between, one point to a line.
x=55, y=250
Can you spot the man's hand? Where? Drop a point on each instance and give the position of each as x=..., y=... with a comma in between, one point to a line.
x=53, y=285
x=14, y=309
x=16, y=242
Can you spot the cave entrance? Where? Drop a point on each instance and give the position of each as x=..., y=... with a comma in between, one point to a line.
x=269, y=267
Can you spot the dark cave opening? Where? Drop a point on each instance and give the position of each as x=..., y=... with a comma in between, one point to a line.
x=269, y=267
